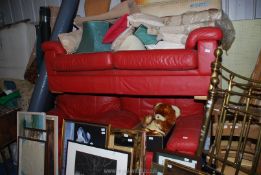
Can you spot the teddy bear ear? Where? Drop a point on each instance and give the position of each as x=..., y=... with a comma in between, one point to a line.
x=177, y=110
x=156, y=105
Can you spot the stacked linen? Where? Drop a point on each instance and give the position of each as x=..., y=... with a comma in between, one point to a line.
x=171, y=32
x=139, y=31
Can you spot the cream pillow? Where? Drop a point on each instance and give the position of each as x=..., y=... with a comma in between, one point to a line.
x=132, y=43
x=71, y=40
x=120, y=39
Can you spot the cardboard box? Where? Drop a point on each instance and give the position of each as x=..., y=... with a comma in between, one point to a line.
x=157, y=142
x=178, y=7
x=146, y=2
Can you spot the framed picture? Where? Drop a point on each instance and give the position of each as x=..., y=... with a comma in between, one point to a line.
x=160, y=157
x=85, y=159
x=132, y=141
x=34, y=120
x=127, y=149
x=37, y=134
x=87, y=133
x=174, y=168
x=31, y=156
x=52, y=145
x=156, y=169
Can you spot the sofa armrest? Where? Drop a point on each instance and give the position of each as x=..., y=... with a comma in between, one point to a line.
x=55, y=46
x=203, y=33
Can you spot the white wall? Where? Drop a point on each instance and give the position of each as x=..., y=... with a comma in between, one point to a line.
x=16, y=43
x=242, y=56
x=242, y=9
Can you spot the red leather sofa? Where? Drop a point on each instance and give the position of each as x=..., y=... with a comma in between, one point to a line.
x=121, y=87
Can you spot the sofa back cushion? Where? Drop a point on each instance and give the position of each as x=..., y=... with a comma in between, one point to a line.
x=179, y=59
x=80, y=106
x=144, y=106
x=83, y=62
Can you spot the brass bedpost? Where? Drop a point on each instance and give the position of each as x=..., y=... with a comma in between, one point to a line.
x=214, y=81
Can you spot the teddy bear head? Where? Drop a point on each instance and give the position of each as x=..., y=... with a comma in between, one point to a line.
x=163, y=118
x=166, y=110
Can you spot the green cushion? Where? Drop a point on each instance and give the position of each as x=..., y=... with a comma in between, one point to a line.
x=92, y=36
x=145, y=38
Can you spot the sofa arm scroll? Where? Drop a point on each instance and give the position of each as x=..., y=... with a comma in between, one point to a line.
x=203, y=33
x=55, y=46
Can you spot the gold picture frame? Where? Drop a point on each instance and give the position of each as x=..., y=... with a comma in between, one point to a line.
x=85, y=159
x=135, y=145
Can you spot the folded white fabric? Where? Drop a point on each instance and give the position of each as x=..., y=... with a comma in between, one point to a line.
x=203, y=16
x=173, y=20
x=175, y=38
x=165, y=45
x=184, y=29
x=137, y=19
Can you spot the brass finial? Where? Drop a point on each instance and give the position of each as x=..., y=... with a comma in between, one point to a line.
x=218, y=53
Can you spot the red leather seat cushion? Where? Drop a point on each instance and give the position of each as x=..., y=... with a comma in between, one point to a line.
x=185, y=141
x=119, y=119
x=156, y=59
x=190, y=122
x=185, y=136
x=83, y=62
x=144, y=106
x=81, y=106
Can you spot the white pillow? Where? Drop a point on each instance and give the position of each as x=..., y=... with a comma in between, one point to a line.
x=71, y=40
x=132, y=43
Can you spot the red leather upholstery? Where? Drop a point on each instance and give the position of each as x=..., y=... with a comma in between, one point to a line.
x=120, y=88
x=203, y=33
x=155, y=60
x=127, y=112
x=77, y=62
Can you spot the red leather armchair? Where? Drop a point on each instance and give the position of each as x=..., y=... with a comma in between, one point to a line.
x=121, y=87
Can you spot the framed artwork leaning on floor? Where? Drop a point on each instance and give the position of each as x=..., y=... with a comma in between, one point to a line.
x=87, y=133
x=85, y=159
x=52, y=145
x=174, y=168
x=31, y=156
x=161, y=156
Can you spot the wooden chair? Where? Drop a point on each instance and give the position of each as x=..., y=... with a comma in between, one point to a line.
x=233, y=119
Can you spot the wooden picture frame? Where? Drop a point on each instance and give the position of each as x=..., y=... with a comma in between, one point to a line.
x=69, y=130
x=161, y=156
x=174, y=168
x=52, y=145
x=31, y=156
x=132, y=141
x=156, y=169
x=85, y=159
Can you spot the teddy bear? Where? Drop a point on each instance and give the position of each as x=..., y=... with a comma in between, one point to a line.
x=163, y=119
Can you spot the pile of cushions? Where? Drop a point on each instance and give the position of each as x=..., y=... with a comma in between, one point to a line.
x=140, y=31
